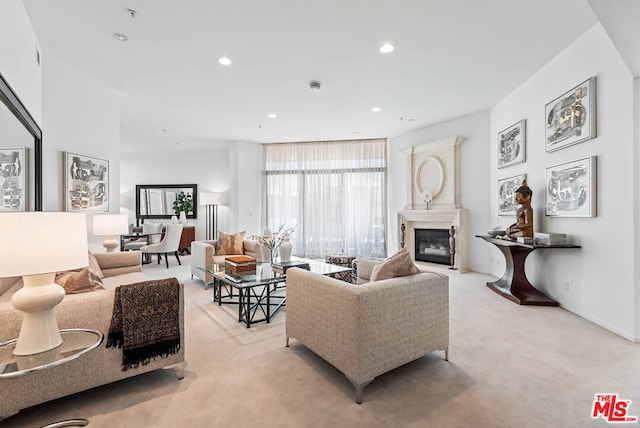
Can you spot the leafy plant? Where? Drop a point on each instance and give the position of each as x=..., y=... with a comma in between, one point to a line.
x=183, y=202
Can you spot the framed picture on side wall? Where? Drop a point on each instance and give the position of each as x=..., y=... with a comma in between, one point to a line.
x=512, y=145
x=86, y=183
x=571, y=189
x=571, y=118
x=507, y=194
x=13, y=179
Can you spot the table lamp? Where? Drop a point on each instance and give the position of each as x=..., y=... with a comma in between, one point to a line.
x=36, y=245
x=110, y=225
x=211, y=200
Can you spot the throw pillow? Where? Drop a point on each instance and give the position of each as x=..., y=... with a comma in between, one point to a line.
x=82, y=281
x=95, y=266
x=400, y=264
x=229, y=244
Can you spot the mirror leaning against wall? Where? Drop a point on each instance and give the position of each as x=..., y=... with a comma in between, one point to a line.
x=20, y=154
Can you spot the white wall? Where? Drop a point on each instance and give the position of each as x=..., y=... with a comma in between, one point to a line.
x=80, y=115
x=235, y=169
x=18, y=51
x=596, y=281
x=636, y=203
x=473, y=186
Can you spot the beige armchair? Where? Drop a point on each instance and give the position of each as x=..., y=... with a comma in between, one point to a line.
x=368, y=329
x=203, y=253
x=169, y=244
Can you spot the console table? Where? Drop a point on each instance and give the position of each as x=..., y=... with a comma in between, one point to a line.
x=514, y=284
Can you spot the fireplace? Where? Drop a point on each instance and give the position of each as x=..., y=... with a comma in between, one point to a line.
x=433, y=205
x=432, y=245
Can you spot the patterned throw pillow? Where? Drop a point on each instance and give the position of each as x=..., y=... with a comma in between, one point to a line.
x=400, y=264
x=82, y=281
x=229, y=245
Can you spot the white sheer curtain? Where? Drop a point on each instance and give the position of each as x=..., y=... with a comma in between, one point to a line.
x=334, y=192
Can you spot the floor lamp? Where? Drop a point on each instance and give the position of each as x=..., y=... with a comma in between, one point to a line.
x=37, y=245
x=211, y=201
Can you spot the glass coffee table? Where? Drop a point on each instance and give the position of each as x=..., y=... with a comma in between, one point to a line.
x=261, y=294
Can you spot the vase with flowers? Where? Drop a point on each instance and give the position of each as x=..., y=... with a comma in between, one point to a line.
x=271, y=242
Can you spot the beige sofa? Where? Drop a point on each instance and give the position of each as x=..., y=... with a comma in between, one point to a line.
x=368, y=329
x=203, y=253
x=91, y=310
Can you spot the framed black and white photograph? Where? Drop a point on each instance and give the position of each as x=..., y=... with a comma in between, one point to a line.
x=512, y=145
x=507, y=194
x=571, y=118
x=571, y=189
x=13, y=179
x=86, y=183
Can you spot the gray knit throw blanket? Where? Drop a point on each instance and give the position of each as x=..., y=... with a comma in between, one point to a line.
x=145, y=321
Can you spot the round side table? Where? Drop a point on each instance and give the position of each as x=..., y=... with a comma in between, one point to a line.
x=75, y=343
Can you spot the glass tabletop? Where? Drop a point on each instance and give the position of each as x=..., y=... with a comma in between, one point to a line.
x=265, y=274
x=75, y=342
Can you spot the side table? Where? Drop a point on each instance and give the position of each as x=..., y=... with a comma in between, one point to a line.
x=75, y=343
x=514, y=284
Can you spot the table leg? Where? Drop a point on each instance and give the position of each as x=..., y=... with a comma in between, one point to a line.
x=514, y=284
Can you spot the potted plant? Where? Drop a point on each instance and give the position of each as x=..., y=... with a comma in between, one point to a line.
x=183, y=204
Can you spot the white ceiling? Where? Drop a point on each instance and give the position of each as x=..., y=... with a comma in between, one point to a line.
x=452, y=57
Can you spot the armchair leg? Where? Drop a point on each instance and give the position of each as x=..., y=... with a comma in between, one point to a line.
x=178, y=257
x=166, y=259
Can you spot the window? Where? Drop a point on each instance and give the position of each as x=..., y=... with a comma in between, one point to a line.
x=334, y=192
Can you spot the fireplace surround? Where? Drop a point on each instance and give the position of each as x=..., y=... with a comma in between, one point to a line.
x=432, y=195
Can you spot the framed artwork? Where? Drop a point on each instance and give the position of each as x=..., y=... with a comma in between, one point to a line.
x=571, y=189
x=13, y=179
x=571, y=118
x=86, y=183
x=507, y=194
x=512, y=145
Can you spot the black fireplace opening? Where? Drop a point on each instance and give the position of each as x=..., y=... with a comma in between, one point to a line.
x=432, y=245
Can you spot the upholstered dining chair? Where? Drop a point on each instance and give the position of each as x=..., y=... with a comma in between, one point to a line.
x=153, y=231
x=169, y=244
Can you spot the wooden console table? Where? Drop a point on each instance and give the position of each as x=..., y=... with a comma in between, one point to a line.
x=514, y=284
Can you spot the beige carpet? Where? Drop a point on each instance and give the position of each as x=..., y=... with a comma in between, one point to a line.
x=510, y=366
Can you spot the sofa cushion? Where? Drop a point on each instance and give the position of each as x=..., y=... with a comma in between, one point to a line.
x=81, y=281
x=230, y=244
x=400, y=264
x=95, y=266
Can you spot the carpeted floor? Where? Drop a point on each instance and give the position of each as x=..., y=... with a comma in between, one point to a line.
x=510, y=366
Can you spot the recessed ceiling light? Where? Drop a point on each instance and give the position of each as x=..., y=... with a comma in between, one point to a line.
x=224, y=60
x=120, y=37
x=376, y=109
x=387, y=48
x=272, y=115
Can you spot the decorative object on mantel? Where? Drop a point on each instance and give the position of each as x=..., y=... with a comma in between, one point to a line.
x=272, y=241
x=452, y=247
x=523, y=227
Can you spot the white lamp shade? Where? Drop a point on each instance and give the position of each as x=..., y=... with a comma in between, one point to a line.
x=42, y=242
x=110, y=224
x=214, y=198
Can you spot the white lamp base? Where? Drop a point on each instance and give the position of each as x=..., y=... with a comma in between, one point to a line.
x=110, y=244
x=37, y=299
